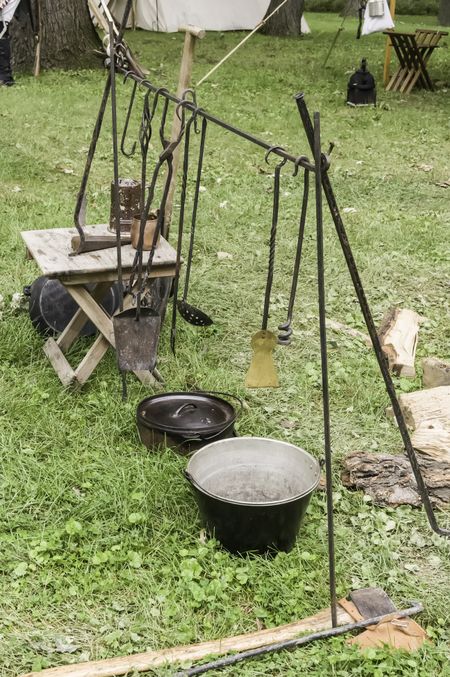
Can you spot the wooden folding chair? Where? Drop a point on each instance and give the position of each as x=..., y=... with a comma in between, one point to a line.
x=413, y=51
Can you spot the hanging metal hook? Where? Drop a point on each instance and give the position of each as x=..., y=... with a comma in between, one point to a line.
x=184, y=103
x=301, y=159
x=272, y=149
x=193, y=101
x=162, y=126
x=127, y=121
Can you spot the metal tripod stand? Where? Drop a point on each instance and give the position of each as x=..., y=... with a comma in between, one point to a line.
x=322, y=183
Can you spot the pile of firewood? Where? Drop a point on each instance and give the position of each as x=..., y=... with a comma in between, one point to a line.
x=388, y=479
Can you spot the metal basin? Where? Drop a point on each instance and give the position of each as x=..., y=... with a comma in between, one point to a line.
x=253, y=492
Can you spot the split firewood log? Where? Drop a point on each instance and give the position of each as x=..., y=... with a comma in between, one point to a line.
x=422, y=406
x=398, y=336
x=435, y=372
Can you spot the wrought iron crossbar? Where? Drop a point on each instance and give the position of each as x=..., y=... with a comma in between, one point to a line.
x=297, y=160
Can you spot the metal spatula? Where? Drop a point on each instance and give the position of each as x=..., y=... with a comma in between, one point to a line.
x=262, y=371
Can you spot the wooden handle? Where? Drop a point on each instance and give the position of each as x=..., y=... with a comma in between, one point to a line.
x=192, y=34
x=193, y=30
x=37, y=59
x=194, y=652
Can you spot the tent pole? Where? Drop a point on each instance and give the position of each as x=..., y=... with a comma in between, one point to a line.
x=387, y=54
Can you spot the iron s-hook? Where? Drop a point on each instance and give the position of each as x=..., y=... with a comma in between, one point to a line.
x=127, y=121
x=273, y=149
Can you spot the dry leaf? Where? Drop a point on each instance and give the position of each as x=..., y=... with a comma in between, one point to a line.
x=65, y=645
x=64, y=170
x=349, y=210
x=425, y=168
x=443, y=184
x=224, y=255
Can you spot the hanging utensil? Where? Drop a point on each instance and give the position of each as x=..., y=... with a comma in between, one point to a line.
x=187, y=311
x=285, y=338
x=83, y=242
x=262, y=372
x=116, y=198
x=137, y=329
x=180, y=230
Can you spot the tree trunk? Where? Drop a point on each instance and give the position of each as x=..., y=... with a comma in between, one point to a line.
x=350, y=8
x=444, y=13
x=68, y=37
x=287, y=21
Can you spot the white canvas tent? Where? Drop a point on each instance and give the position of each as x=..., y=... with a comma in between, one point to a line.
x=212, y=15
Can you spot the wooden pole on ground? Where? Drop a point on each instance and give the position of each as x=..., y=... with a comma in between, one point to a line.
x=387, y=54
x=192, y=34
x=149, y=660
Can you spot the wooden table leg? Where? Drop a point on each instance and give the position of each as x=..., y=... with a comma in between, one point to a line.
x=104, y=324
x=76, y=324
x=58, y=361
x=91, y=359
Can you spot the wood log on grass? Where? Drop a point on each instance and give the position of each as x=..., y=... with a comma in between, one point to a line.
x=429, y=405
x=398, y=335
x=435, y=372
x=389, y=480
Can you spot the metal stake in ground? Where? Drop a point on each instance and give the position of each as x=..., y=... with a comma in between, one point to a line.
x=324, y=365
x=112, y=75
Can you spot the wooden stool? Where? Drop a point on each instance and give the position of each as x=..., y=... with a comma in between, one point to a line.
x=413, y=51
x=51, y=250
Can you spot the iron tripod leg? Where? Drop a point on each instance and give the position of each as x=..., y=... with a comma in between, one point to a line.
x=365, y=309
x=324, y=366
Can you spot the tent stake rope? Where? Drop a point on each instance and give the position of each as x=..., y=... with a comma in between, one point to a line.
x=231, y=52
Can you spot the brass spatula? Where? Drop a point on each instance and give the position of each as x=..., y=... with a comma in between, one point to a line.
x=262, y=372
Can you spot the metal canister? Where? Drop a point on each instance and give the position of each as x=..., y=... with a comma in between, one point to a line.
x=129, y=200
x=376, y=8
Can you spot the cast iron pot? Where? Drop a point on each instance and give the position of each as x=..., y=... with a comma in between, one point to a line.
x=185, y=421
x=51, y=307
x=253, y=492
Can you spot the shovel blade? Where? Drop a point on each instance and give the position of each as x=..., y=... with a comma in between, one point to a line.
x=262, y=372
x=137, y=340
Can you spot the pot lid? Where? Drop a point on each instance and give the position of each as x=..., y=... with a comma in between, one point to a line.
x=186, y=413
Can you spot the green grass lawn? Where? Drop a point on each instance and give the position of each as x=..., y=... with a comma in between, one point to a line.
x=100, y=541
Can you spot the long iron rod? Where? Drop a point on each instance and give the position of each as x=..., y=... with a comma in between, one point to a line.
x=382, y=362
x=95, y=136
x=324, y=367
x=300, y=161
x=112, y=75
x=301, y=641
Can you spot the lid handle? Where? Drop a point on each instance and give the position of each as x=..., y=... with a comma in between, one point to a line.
x=187, y=405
